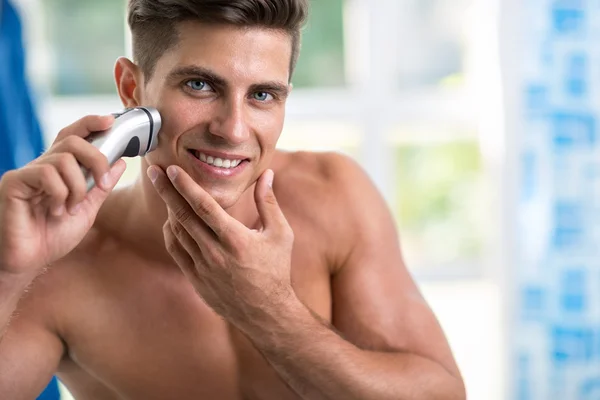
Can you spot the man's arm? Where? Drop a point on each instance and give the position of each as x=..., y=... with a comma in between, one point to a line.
x=29, y=349
x=389, y=345
x=11, y=290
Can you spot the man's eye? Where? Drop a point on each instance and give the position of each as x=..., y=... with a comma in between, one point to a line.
x=198, y=85
x=262, y=96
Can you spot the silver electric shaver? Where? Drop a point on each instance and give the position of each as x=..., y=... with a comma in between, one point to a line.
x=134, y=133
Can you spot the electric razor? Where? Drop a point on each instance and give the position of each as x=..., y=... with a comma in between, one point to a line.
x=134, y=133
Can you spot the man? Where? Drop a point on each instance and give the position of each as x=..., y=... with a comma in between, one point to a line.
x=229, y=270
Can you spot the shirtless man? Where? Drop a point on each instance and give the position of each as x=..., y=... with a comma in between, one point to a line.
x=208, y=281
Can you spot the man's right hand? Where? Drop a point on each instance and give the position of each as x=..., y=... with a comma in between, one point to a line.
x=45, y=209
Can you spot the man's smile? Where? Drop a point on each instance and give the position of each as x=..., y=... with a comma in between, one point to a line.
x=219, y=164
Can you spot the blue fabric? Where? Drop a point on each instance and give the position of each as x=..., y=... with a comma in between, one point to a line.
x=20, y=135
x=51, y=392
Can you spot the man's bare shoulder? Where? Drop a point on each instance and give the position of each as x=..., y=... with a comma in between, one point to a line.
x=61, y=290
x=306, y=180
x=318, y=179
x=323, y=193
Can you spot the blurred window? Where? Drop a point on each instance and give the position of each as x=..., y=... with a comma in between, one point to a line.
x=85, y=38
x=433, y=44
x=321, y=62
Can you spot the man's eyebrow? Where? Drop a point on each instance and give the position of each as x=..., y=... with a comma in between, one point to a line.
x=271, y=86
x=195, y=71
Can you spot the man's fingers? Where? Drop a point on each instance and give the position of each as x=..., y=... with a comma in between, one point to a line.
x=68, y=168
x=183, y=236
x=176, y=250
x=59, y=183
x=72, y=140
x=87, y=155
x=86, y=125
x=201, y=202
x=180, y=210
x=46, y=180
x=182, y=195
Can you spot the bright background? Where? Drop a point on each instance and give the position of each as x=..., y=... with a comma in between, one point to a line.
x=410, y=88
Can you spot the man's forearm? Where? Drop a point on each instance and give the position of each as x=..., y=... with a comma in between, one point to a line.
x=11, y=289
x=318, y=364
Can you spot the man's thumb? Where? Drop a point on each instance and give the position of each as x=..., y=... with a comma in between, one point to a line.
x=266, y=202
x=96, y=196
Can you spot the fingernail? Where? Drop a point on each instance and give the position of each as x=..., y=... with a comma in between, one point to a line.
x=270, y=176
x=172, y=172
x=105, y=181
x=152, y=174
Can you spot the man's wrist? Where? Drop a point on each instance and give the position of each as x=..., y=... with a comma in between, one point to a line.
x=282, y=317
x=285, y=305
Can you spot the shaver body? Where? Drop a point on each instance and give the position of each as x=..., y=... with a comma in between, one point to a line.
x=134, y=133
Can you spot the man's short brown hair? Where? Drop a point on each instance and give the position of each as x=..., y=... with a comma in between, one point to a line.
x=153, y=23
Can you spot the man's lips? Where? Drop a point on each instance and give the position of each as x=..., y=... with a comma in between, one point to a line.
x=219, y=154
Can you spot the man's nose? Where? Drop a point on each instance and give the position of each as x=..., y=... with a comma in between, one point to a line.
x=231, y=122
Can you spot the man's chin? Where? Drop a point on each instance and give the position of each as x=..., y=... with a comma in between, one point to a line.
x=225, y=199
x=225, y=192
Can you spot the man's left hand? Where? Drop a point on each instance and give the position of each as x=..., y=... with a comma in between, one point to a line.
x=239, y=272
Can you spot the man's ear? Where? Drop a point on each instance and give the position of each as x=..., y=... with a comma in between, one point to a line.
x=129, y=80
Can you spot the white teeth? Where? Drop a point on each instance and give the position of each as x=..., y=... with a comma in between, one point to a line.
x=217, y=162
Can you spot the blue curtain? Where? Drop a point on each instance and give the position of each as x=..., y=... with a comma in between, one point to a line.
x=51, y=392
x=20, y=136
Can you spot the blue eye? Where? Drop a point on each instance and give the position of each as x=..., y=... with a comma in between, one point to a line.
x=198, y=85
x=261, y=96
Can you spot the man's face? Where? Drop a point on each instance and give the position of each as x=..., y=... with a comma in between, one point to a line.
x=221, y=92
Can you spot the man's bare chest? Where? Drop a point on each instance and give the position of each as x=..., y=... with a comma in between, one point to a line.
x=143, y=335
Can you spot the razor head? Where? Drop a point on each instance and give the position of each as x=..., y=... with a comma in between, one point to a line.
x=138, y=126
x=134, y=133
